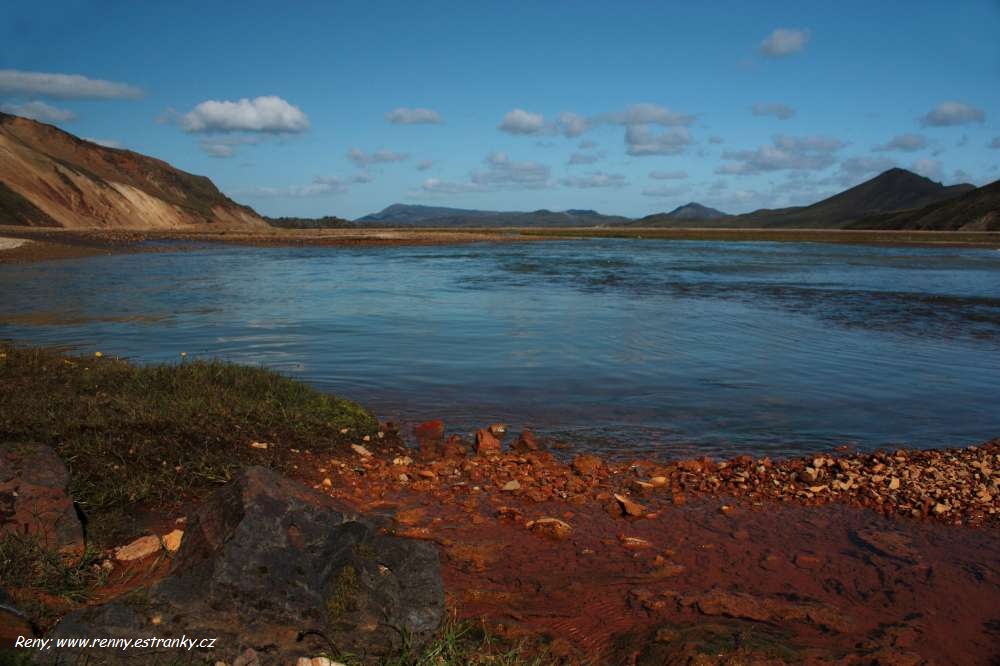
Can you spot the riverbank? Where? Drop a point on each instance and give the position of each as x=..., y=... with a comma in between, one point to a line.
x=72, y=243
x=857, y=557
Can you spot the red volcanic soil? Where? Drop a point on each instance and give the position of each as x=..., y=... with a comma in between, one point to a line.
x=637, y=563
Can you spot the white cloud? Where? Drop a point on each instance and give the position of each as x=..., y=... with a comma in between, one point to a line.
x=424, y=165
x=930, y=168
x=787, y=152
x=107, y=143
x=907, y=143
x=438, y=186
x=572, y=125
x=666, y=191
x=39, y=111
x=363, y=159
x=668, y=175
x=595, y=179
x=407, y=116
x=784, y=42
x=776, y=109
x=952, y=113
x=995, y=143
x=502, y=172
x=519, y=121
x=63, y=86
x=268, y=114
x=640, y=141
x=583, y=158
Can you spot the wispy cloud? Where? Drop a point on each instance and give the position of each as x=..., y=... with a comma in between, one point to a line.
x=583, y=158
x=63, y=86
x=952, y=113
x=666, y=191
x=363, y=159
x=503, y=172
x=813, y=152
x=906, y=143
x=857, y=169
x=640, y=141
x=519, y=121
x=407, y=116
x=39, y=111
x=784, y=42
x=776, y=109
x=424, y=165
x=930, y=168
x=319, y=187
x=595, y=179
x=668, y=175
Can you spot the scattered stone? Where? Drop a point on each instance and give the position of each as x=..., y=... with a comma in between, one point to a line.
x=634, y=543
x=511, y=486
x=658, y=481
x=361, y=451
x=402, y=460
x=630, y=508
x=775, y=610
x=553, y=527
x=259, y=445
x=498, y=429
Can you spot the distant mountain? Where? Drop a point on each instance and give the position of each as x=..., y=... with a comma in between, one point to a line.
x=50, y=178
x=893, y=190
x=405, y=214
x=693, y=211
x=978, y=210
x=326, y=222
x=435, y=216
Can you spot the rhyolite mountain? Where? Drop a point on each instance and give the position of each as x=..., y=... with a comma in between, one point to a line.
x=50, y=178
x=893, y=190
x=400, y=215
x=978, y=210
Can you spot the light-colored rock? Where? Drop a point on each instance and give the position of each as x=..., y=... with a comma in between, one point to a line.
x=630, y=507
x=172, y=540
x=259, y=445
x=511, y=486
x=361, y=451
x=140, y=548
x=549, y=526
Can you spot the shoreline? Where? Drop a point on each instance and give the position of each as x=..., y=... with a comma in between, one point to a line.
x=58, y=243
x=831, y=549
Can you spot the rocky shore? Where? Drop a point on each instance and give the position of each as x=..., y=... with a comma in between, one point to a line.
x=373, y=536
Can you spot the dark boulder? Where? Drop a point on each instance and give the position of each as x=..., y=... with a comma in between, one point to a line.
x=13, y=623
x=271, y=565
x=35, y=499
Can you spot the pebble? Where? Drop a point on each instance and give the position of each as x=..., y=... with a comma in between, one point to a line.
x=140, y=548
x=258, y=445
x=361, y=451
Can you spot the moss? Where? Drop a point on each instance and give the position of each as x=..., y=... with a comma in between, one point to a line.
x=150, y=436
x=344, y=596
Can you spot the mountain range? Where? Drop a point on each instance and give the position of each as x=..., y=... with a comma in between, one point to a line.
x=405, y=215
x=50, y=178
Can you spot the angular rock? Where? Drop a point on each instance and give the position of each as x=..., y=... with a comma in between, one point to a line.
x=270, y=565
x=525, y=442
x=586, y=465
x=35, y=500
x=486, y=443
x=139, y=549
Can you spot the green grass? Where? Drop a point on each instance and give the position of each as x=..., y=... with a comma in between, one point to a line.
x=150, y=436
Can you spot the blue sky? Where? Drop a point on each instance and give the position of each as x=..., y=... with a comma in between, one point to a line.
x=629, y=108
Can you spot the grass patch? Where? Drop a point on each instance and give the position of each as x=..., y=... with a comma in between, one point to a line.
x=154, y=435
x=461, y=644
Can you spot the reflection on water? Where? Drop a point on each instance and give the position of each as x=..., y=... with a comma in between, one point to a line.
x=664, y=347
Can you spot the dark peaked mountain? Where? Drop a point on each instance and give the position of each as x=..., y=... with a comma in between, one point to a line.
x=893, y=190
x=50, y=178
x=689, y=212
x=978, y=210
x=437, y=216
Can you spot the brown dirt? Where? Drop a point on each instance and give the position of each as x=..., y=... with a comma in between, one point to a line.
x=557, y=554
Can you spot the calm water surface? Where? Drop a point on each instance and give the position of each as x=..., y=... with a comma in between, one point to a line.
x=622, y=346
